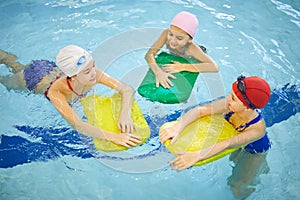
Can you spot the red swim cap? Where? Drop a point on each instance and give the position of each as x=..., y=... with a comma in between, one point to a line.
x=257, y=91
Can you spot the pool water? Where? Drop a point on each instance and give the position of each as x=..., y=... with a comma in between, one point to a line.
x=42, y=158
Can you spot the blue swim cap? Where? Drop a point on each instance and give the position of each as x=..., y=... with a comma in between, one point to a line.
x=36, y=71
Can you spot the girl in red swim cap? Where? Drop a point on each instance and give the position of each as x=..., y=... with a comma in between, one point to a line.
x=240, y=108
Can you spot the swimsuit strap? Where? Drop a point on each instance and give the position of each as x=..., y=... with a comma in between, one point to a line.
x=185, y=48
x=47, y=90
x=254, y=121
x=71, y=88
x=228, y=115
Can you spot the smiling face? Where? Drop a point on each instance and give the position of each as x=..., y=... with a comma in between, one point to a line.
x=177, y=38
x=234, y=103
x=87, y=76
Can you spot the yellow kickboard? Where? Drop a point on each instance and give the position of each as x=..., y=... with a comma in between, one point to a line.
x=201, y=134
x=103, y=112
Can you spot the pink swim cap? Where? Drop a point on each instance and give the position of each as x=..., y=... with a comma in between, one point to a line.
x=187, y=22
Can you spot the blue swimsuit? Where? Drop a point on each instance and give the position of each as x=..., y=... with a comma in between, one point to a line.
x=36, y=71
x=258, y=146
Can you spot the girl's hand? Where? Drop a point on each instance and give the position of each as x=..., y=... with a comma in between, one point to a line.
x=170, y=132
x=162, y=78
x=185, y=160
x=125, y=124
x=175, y=67
x=125, y=139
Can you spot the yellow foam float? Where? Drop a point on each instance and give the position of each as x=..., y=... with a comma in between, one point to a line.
x=201, y=134
x=103, y=112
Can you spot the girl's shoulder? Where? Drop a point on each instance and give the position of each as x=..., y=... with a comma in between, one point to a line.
x=60, y=86
x=192, y=46
x=165, y=33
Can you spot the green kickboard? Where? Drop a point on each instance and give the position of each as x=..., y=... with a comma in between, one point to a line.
x=183, y=84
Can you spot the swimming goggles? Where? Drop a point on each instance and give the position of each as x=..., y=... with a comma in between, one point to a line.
x=242, y=88
x=81, y=60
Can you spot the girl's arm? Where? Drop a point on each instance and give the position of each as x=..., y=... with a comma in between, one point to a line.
x=189, y=117
x=125, y=123
x=162, y=77
x=187, y=159
x=207, y=64
x=59, y=100
x=216, y=107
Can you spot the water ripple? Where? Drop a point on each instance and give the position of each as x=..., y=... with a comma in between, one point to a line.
x=289, y=10
x=260, y=50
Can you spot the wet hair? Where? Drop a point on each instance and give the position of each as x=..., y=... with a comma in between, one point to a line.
x=36, y=71
x=203, y=48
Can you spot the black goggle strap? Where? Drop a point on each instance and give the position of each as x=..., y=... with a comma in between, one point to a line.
x=242, y=88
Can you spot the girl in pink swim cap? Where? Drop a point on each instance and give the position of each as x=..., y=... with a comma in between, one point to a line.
x=178, y=39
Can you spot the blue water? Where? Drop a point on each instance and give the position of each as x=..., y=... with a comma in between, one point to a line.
x=41, y=157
